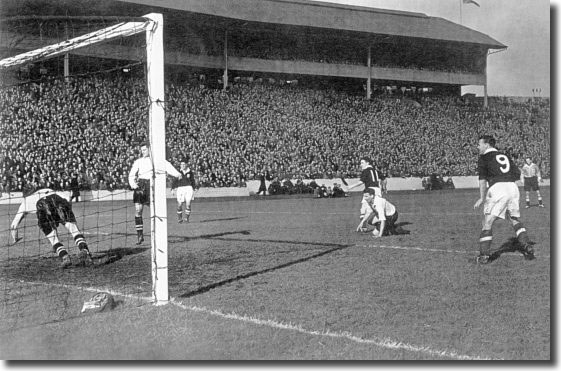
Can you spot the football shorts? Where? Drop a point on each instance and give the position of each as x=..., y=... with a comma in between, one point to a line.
x=141, y=195
x=185, y=194
x=502, y=197
x=53, y=210
x=531, y=184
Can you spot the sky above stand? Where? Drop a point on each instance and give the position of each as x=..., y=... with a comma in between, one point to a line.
x=522, y=25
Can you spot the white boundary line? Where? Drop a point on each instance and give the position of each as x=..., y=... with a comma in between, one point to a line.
x=381, y=343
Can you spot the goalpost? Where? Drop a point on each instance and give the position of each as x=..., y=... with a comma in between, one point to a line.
x=153, y=28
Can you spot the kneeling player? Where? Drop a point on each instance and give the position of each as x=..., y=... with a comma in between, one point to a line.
x=380, y=213
x=52, y=209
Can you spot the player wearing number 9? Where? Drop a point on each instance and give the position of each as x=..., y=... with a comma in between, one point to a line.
x=501, y=197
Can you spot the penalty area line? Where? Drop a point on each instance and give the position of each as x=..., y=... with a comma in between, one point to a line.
x=381, y=343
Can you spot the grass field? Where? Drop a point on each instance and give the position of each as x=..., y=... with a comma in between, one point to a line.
x=285, y=278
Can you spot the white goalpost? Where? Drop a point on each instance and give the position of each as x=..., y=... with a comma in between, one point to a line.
x=153, y=28
x=157, y=133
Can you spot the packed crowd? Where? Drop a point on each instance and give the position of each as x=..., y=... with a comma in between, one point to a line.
x=88, y=128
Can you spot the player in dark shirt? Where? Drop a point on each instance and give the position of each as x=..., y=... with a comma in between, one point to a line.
x=371, y=178
x=500, y=197
x=185, y=191
x=74, y=188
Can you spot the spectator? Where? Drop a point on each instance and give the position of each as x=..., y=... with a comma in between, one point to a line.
x=89, y=123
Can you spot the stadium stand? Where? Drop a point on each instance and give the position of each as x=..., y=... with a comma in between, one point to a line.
x=53, y=129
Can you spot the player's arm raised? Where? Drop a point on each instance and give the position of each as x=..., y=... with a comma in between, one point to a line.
x=170, y=170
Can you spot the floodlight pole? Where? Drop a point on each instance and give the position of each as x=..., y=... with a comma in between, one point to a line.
x=156, y=122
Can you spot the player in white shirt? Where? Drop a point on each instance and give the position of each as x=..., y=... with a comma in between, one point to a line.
x=531, y=177
x=52, y=208
x=139, y=180
x=380, y=213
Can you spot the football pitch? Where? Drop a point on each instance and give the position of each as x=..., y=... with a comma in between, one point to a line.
x=276, y=278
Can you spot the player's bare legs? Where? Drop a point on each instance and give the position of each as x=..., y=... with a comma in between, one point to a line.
x=486, y=238
x=540, y=200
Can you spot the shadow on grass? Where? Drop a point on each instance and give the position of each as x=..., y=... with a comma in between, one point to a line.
x=206, y=288
x=113, y=255
x=511, y=245
x=220, y=237
x=401, y=224
x=177, y=239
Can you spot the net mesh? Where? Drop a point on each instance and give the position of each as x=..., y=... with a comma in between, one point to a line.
x=70, y=123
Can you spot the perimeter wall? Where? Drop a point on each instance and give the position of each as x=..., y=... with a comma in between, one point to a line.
x=394, y=184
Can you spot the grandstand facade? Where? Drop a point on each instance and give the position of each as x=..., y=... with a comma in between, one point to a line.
x=381, y=48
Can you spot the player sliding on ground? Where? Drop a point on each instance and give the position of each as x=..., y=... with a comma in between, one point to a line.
x=52, y=209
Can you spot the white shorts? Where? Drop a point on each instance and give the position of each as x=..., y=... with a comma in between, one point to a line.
x=364, y=205
x=185, y=194
x=502, y=197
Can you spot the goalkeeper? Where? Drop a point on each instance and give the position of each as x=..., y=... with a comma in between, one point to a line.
x=52, y=208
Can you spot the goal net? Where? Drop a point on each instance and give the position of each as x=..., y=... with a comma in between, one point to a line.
x=78, y=95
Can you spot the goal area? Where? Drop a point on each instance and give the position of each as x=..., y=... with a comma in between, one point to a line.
x=64, y=123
